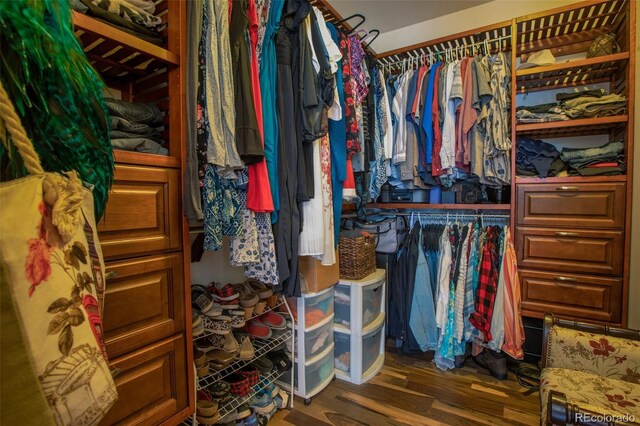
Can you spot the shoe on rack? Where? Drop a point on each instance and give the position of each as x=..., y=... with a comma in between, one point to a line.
x=209, y=343
x=243, y=411
x=248, y=297
x=220, y=358
x=248, y=312
x=199, y=358
x=206, y=409
x=223, y=292
x=258, y=330
x=196, y=324
x=251, y=373
x=251, y=420
x=247, y=351
x=272, y=301
x=219, y=391
x=240, y=385
x=260, y=307
x=493, y=361
x=202, y=301
x=217, y=325
x=237, y=319
x=263, y=364
x=280, y=360
x=262, y=290
x=284, y=396
x=231, y=344
x=202, y=371
x=273, y=320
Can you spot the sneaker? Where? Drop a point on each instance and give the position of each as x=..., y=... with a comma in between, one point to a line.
x=280, y=360
x=285, y=398
x=239, y=385
x=251, y=420
x=209, y=343
x=258, y=330
x=273, y=320
x=223, y=292
x=217, y=325
x=247, y=351
x=493, y=361
x=243, y=411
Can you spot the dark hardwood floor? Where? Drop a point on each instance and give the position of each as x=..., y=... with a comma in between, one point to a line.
x=410, y=390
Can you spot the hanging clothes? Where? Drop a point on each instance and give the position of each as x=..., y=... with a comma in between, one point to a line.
x=422, y=318
x=268, y=87
x=513, y=327
x=248, y=141
x=259, y=189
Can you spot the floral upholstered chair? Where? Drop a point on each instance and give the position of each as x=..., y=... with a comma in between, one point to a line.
x=591, y=374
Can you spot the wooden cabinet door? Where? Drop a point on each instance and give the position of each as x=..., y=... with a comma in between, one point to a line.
x=571, y=295
x=143, y=212
x=144, y=302
x=586, y=205
x=151, y=385
x=570, y=250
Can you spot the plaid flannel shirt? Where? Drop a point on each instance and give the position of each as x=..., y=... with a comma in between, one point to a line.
x=487, y=286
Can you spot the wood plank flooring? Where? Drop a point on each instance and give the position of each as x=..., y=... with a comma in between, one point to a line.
x=410, y=390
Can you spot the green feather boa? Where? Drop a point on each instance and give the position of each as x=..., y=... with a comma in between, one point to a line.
x=57, y=94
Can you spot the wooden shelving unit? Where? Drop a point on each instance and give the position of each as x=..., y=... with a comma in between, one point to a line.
x=568, y=128
x=570, y=74
x=143, y=233
x=571, y=179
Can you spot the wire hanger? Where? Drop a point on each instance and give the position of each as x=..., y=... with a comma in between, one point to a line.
x=355, y=15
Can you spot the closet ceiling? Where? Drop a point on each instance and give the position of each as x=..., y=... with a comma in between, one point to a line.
x=389, y=15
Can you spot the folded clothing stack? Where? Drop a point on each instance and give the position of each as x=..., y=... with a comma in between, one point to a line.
x=605, y=160
x=133, y=127
x=572, y=105
x=537, y=158
x=132, y=16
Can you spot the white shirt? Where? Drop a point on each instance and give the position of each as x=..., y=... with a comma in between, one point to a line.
x=444, y=276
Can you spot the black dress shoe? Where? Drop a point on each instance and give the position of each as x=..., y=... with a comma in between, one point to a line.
x=493, y=361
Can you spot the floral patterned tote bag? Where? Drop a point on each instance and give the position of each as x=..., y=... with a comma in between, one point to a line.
x=54, y=271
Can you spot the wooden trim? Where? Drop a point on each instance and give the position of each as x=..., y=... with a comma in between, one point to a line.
x=452, y=37
x=573, y=64
x=513, y=199
x=630, y=77
x=143, y=159
x=427, y=206
x=580, y=122
x=572, y=179
x=559, y=10
x=94, y=26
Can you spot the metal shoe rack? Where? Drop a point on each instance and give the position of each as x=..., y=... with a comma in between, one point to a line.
x=261, y=348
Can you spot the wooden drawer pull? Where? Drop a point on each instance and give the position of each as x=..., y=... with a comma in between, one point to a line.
x=567, y=188
x=561, y=278
x=566, y=234
x=109, y=275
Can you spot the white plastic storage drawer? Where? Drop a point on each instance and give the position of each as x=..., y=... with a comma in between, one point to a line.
x=317, y=340
x=371, y=348
x=342, y=351
x=358, y=304
x=317, y=374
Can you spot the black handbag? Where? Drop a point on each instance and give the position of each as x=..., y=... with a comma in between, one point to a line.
x=389, y=231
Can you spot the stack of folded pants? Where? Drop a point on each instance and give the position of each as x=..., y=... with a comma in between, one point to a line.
x=540, y=113
x=591, y=103
x=134, y=127
x=607, y=160
x=537, y=158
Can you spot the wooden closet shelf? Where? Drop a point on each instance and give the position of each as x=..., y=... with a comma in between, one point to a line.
x=428, y=206
x=144, y=159
x=573, y=73
x=117, y=54
x=572, y=179
x=569, y=128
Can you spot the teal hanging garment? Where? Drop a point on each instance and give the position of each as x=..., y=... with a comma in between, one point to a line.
x=57, y=94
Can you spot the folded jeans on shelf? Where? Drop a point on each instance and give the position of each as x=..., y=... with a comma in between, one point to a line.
x=609, y=150
x=566, y=96
x=541, y=108
x=135, y=112
x=140, y=145
x=526, y=116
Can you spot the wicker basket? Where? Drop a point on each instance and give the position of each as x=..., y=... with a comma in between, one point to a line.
x=357, y=255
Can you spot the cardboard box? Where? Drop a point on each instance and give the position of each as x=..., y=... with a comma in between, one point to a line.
x=316, y=277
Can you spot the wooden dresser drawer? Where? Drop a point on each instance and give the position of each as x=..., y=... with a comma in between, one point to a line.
x=152, y=384
x=570, y=250
x=572, y=295
x=585, y=205
x=144, y=302
x=143, y=212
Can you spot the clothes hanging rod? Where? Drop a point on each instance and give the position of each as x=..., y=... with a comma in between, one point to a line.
x=448, y=215
x=421, y=56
